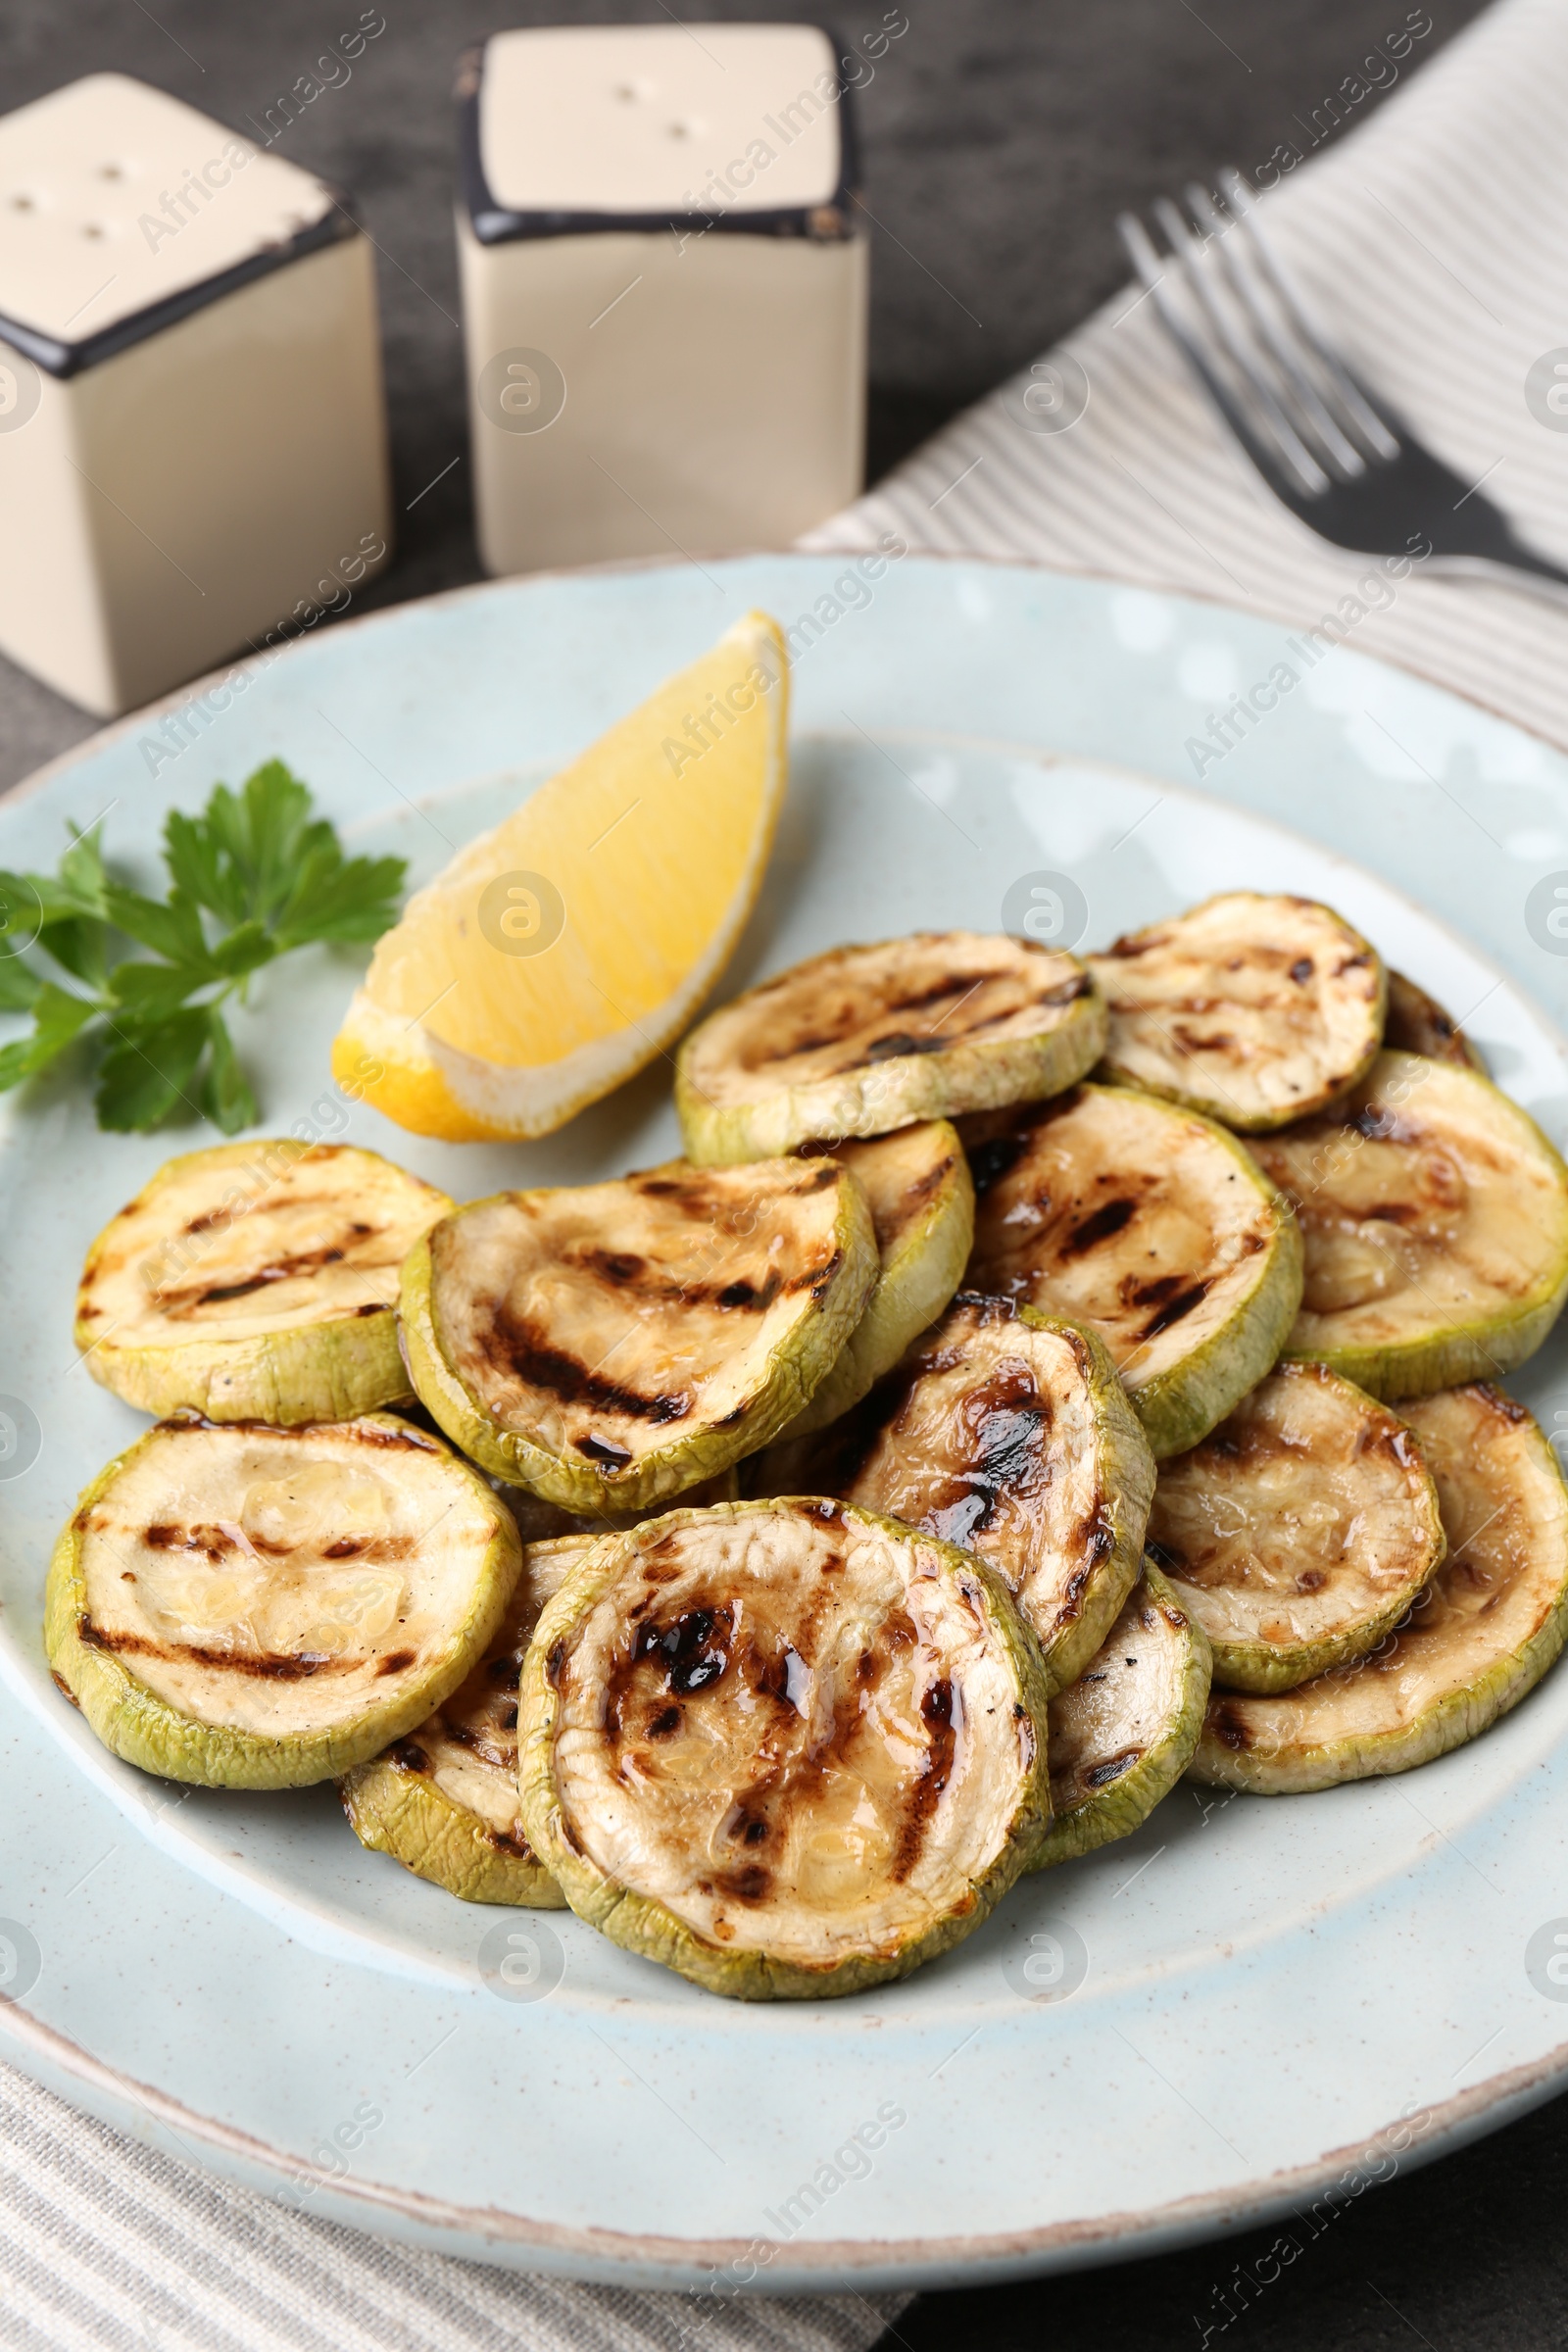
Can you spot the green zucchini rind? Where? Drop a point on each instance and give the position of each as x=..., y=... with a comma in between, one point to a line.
x=1418, y=1024
x=866, y=1039
x=255, y=1282
x=922, y=1208
x=609, y=1346
x=248, y=1608
x=1125, y=1731
x=1435, y=1214
x=1300, y=1531
x=1153, y=1227
x=786, y=1749
x=443, y=1801
x=541, y=1522
x=1010, y=1436
x=1255, y=1009
x=1481, y=1635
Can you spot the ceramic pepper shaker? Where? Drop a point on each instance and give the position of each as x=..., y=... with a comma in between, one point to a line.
x=192, y=427
x=664, y=288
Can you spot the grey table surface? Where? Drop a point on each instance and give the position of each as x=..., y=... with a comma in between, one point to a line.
x=999, y=139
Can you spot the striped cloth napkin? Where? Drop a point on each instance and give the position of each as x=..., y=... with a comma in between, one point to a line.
x=1435, y=239
x=107, y=2246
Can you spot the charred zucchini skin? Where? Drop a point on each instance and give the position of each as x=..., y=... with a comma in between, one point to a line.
x=395, y=1809
x=891, y=1094
x=513, y=1455
x=1181, y=1405
x=134, y=1723
x=642, y=1923
x=331, y=1371
x=1125, y=1805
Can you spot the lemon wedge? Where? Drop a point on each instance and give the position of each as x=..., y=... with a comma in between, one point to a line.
x=558, y=954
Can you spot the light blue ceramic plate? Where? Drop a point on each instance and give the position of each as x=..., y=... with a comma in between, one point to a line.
x=1202, y=2026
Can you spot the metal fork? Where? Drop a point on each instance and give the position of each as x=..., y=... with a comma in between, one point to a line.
x=1338, y=458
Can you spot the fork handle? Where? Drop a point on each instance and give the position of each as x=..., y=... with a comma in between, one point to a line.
x=1521, y=568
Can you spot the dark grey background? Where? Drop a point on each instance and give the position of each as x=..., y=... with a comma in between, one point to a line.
x=1000, y=138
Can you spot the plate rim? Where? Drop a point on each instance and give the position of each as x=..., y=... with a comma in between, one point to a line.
x=256, y=664
x=929, y=2263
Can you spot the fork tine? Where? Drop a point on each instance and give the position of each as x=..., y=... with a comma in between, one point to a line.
x=1188, y=254
x=1375, y=430
x=1267, y=455
x=1312, y=411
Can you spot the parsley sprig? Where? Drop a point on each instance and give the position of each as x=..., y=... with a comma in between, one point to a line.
x=255, y=876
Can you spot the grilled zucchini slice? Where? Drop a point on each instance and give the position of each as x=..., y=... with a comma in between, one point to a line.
x=1480, y=1635
x=1256, y=1010
x=1125, y=1731
x=787, y=1748
x=1300, y=1531
x=257, y=1281
x=866, y=1039
x=248, y=1608
x=1418, y=1024
x=1435, y=1214
x=1010, y=1436
x=1154, y=1228
x=922, y=1210
x=444, y=1802
x=611, y=1345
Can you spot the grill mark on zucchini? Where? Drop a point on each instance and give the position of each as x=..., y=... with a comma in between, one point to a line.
x=939, y=1708
x=894, y=1047
x=517, y=1346
x=954, y=984
x=625, y=1273
x=1012, y=1422
x=1101, y=1225
x=1228, y=1724
x=177, y=1304
x=284, y=1666
x=990, y=1161
x=1174, y=1311
x=215, y=1541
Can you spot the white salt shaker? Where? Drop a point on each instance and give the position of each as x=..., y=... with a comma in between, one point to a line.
x=192, y=427
x=664, y=289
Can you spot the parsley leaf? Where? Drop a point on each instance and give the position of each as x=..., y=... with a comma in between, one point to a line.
x=253, y=876
x=58, y=1017
x=260, y=856
x=148, y=1067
